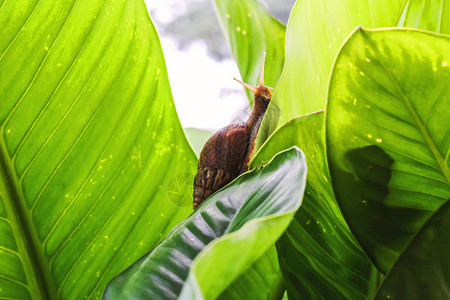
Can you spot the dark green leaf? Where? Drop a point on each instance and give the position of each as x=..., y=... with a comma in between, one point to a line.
x=386, y=141
x=202, y=256
x=423, y=269
x=319, y=256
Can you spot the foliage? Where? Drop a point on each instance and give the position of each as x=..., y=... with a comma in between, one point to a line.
x=250, y=19
x=95, y=168
x=426, y=254
x=90, y=146
x=318, y=252
x=389, y=173
x=197, y=138
x=221, y=238
x=314, y=35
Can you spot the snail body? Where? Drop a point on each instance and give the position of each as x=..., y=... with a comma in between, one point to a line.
x=227, y=152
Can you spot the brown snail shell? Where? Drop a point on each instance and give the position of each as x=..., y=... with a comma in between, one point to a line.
x=227, y=153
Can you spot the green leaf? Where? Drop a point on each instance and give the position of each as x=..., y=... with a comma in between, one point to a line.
x=428, y=15
x=89, y=146
x=319, y=256
x=202, y=256
x=386, y=141
x=197, y=138
x=314, y=35
x=263, y=280
x=251, y=31
x=422, y=271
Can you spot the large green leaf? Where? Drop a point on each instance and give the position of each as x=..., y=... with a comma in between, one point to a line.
x=314, y=34
x=423, y=269
x=201, y=256
x=319, y=256
x=387, y=136
x=90, y=144
x=251, y=31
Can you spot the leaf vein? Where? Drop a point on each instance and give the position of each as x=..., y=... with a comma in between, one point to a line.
x=20, y=30
x=38, y=118
x=36, y=73
x=426, y=135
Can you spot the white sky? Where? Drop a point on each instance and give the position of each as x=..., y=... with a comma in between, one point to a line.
x=205, y=94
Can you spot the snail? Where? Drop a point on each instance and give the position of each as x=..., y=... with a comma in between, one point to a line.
x=226, y=154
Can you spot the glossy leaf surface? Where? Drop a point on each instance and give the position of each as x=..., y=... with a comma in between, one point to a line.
x=202, y=256
x=251, y=31
x=314, y=35
x=386, y=141
x=319, y=256
x=263, y=280
x=83, y=140
x=423, y=269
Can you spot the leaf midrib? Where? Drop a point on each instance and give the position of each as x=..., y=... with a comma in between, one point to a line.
x=30, y=253
x=432, y=146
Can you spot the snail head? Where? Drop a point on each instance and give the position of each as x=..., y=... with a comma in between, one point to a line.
x=261, y=91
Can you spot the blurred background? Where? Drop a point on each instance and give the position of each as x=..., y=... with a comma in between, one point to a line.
x=200, y=65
